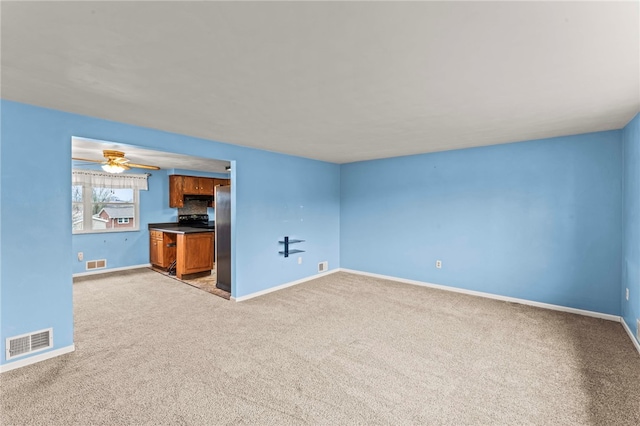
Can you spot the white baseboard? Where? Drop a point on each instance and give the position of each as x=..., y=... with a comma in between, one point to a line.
x=280, y=287
x=107, y=270
x=490, y=296
x=36, y=358
x=633, y=339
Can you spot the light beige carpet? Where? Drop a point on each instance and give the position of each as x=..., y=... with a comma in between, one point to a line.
x=343, y=349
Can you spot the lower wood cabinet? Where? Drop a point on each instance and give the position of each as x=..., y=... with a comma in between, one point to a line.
x=162, y=248
x=195, y=253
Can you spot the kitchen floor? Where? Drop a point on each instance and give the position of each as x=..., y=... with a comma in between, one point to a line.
x=206, y=283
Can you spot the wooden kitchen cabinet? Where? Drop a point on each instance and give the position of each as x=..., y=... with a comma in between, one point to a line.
x=197, y=185
x=176, y=193
x=179, y=186
x=154, y=250
x=162, y=249
x=195, y=253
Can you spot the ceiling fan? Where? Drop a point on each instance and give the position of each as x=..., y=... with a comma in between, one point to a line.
x=116, y=162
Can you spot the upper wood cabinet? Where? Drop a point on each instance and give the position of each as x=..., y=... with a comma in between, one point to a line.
x=197, y=185
x=180, y=185
x=176, y=193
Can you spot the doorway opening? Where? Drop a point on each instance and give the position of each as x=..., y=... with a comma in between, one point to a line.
x=183, y=214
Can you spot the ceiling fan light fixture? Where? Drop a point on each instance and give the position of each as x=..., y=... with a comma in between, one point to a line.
x=116, y=162
x=113, y=168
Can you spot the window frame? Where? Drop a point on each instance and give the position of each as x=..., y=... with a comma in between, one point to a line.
x=74, y=203
x=87, y=208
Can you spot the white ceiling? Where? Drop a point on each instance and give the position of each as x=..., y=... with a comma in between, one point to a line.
x=92, y=149
x=334, y=81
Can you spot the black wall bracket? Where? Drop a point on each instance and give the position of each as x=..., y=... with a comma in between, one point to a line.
x=288, y=251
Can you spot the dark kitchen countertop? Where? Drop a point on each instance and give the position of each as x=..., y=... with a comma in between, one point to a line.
x=175, y=228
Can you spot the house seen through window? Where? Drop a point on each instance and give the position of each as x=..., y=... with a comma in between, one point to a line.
x=105, y=203
x=103, y=209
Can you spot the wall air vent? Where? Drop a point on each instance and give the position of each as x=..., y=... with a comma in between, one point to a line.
x=96, y=264
x=29, y=343
x=323, y=266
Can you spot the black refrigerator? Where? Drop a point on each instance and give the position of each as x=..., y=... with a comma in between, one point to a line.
x=223, y=237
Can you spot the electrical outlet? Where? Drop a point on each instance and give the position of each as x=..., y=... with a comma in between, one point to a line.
x=626, y=294
x=439, y=264
x=80, y=256
x=300, y=260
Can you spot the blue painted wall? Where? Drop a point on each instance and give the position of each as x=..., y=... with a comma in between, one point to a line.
x=538, y=220
x=273, y=195
x=35, y=278
x=631, y=224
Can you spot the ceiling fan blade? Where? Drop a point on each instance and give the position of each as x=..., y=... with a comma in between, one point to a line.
x=117, y=158
x=86, y=159
x=141, y=166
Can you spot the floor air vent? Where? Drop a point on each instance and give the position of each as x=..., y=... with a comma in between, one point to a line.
x=29, y=343
x=323, y=266
x=96, y=264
